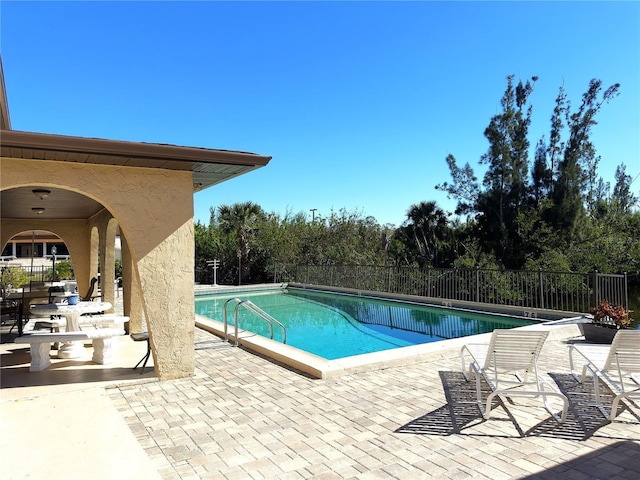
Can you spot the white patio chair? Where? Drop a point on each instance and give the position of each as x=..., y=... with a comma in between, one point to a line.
x=508, y=363
x=618, y=365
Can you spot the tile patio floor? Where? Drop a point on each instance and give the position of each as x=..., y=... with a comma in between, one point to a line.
x=243, y=417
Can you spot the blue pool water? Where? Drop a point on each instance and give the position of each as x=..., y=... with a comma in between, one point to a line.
x=335, y=326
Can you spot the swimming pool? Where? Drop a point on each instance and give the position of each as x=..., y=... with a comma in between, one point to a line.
x=335, y=326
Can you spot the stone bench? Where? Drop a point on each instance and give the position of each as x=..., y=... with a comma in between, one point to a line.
x=40, y=345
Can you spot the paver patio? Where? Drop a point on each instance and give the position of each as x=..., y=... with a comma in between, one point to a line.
x=242, y=416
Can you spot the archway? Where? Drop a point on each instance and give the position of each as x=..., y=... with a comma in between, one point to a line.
x=43, y=254
x=80, y=233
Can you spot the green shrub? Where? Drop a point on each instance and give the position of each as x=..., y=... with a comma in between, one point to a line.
x=13, y=277
x=64, y=270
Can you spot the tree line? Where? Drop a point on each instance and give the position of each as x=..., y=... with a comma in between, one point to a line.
x=552, y=212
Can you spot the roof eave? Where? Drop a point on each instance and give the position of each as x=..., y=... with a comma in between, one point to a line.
x=200, y=161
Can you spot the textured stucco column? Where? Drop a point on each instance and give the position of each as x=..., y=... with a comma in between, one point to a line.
x=84, y=281
x=131, y=291
x=107, y=227
x=170, y=316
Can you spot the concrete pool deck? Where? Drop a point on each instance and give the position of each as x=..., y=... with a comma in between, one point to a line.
x=243, y=416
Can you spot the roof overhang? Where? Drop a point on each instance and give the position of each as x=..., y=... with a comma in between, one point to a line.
x=209, y=166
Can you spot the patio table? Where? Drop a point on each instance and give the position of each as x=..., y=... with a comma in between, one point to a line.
x=72, y=314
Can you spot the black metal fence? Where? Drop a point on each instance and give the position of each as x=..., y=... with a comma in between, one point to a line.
x=37, y=273
x=562, y=291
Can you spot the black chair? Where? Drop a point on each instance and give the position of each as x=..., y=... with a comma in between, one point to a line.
x=141, y=337
x=11, y=310
x=89, y=296
x=56, y=293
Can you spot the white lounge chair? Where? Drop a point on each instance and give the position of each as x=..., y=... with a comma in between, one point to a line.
x=508, y=363
x=618, y=365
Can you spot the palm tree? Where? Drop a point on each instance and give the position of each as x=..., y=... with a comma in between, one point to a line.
x=240, y=218
x=426, y=222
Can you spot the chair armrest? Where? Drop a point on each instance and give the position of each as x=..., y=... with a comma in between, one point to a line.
x=586, y=362
x=469, y=353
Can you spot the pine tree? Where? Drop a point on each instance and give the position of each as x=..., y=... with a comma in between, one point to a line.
x=506, y=180
x=576, y=171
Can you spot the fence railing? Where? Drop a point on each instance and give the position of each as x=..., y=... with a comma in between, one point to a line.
x=37, y=273
x=562, y=291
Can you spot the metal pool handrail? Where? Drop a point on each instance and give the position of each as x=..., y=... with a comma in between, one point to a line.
x=257, y=311
x=224, y=318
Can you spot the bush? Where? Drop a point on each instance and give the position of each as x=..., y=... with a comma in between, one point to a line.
x=64, y=270
x=13, y=277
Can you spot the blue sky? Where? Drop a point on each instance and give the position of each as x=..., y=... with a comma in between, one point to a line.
x=358, y=103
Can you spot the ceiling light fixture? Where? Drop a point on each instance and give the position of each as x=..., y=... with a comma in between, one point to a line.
x=37, y=210
x=41, y=193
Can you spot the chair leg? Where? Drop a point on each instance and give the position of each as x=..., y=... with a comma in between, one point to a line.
x=145, y=358
x=20, y=322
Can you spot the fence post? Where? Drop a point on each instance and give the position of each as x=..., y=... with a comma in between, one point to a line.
x=540, y=282
x=596, y=294
x=477, y=285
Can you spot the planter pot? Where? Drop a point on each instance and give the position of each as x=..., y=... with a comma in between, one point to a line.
x=596, y=333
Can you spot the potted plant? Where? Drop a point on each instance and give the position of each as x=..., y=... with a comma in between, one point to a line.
x=607, y=319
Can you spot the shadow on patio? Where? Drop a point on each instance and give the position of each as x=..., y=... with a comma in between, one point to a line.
x=620, y=460
x=461, y=416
